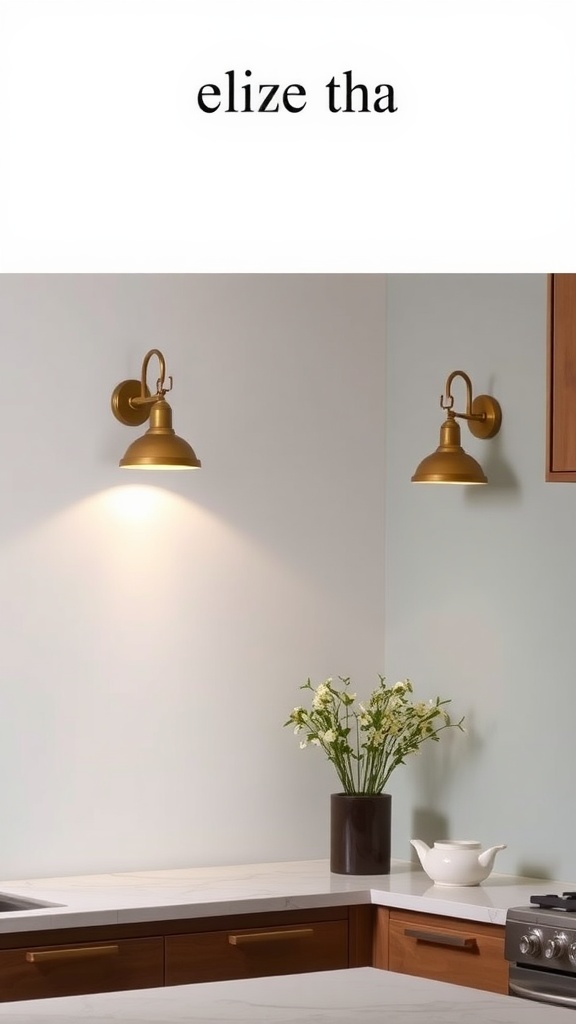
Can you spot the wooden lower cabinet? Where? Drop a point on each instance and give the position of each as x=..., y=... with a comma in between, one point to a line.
x=266, y=944
x=445, y=949
x=36, y=972
x=256, y=952
x=77, y=961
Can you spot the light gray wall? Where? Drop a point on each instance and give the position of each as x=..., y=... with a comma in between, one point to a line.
x=154, y=632
x=480, y=592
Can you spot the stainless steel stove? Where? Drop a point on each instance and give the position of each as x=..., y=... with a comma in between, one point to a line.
x=540, y=943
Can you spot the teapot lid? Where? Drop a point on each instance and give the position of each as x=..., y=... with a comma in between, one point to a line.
x=458, y=844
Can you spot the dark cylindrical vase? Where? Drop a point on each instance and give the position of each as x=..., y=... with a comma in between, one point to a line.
x=360, y=828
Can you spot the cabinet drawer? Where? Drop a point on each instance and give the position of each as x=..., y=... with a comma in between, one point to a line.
x=447, y=949
x=256, y=952
x=35, y=972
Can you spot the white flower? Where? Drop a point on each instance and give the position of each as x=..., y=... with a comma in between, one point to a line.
x=322, y=697
x=366, y=741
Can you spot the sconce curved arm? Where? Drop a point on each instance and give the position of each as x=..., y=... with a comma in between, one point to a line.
x=145, y=398
x=447, y=399
x=483, y=413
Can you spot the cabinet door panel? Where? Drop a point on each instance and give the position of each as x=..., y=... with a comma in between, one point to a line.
x=256, y=952
x=36, y=972
x=561, y=439
x=444, y=949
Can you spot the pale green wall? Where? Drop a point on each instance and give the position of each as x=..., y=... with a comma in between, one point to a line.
x=480, y=582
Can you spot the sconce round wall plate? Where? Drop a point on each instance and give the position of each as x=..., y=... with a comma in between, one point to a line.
x=132, y=416
x=489, y=409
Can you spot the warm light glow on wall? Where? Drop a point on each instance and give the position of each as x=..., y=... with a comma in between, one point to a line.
x=136, y=503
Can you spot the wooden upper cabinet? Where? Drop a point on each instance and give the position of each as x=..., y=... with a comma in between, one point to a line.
x=561, y=418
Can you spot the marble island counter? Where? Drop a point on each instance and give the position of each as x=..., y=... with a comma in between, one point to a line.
x=144, y=896
x=359, y=996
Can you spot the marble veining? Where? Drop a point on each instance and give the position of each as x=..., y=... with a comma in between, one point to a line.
x=359, y=996
x=129, y=897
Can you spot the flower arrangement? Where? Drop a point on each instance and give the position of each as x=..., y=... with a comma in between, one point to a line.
x=366, y=743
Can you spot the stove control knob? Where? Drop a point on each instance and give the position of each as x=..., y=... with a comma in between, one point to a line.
x=531, y=945
x=572, y=953
x=556, y=946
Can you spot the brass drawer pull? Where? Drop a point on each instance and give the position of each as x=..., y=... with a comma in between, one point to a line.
x=251, y=937
x=44, y=955
x=459, y=941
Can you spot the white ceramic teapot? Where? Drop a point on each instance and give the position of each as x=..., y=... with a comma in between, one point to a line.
x=456, y=861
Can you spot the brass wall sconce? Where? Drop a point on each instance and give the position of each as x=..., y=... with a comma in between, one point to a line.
x=159, y=447
x=450, y=464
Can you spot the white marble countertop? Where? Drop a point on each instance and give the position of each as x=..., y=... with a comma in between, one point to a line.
x=128, y=897
x=359, y=996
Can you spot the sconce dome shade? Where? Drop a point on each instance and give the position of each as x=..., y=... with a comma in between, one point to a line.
x=160, y=447
x=449, y=468
x=449, y=464
x=160, y=453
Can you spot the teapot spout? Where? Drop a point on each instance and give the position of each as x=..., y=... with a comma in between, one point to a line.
x=422, y=849
x=486, y=859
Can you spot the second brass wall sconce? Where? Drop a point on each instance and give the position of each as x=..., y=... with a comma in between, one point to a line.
x=160, y=447
x=450, y=464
